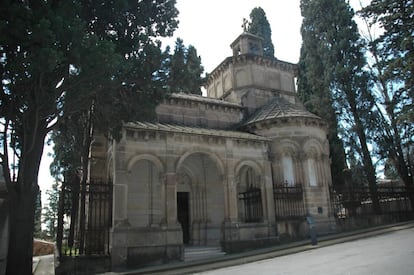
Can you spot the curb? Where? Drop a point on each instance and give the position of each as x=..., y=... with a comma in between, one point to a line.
x=36, y=261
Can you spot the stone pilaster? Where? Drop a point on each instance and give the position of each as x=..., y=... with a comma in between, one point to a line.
x=171, y=198
x=269, y=202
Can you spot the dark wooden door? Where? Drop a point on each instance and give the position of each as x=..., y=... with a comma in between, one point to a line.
x=183, y=214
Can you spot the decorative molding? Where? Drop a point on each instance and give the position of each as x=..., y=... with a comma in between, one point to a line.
x=151, y=158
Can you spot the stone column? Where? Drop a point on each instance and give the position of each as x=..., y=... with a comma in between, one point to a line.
x=231, y=198
x=277, y=168
x=230, y=181
x=320, y=177
x=297, y=164
x=231, y=227
x=268, y=194
x=300, y=162
x=119, y=208
x=327, y=170
x=171, y=198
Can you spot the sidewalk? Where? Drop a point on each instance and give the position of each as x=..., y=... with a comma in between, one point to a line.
x=265, y=253
x=44, y=265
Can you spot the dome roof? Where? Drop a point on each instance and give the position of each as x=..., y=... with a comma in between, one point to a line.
x=280, y=108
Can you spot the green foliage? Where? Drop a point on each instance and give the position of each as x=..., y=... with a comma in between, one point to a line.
x=392, y=67
x=315, y=81
x=184, y=69
x=67, y=146
x=332, y=52
x=396, y=43
x=50, y=211
x=358, y=172
x=71, y=59
x=260, y=26
x=132, y=89
x=194, y=71
x=38, y=215
x=177, y=68
x=389, y=170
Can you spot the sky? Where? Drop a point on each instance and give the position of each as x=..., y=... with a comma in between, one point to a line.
x=212, y=25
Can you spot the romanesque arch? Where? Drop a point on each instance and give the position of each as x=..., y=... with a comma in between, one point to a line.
x=249, y=163
x=155, y=160
x=313, y=146
x=288, y=174
x=250, y=191
x=203, y=151
x=186, y=180
x=145, y=196
x=200, y=197
x=313, y=162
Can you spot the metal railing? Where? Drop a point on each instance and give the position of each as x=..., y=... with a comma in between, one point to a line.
x=84, y=218
x=289, y=203
x=358, y=201
x=252, y=202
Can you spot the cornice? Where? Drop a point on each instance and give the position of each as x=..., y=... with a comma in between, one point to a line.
x=259, y=60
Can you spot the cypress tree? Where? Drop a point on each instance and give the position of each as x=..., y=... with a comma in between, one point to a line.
x=38, y=216
x=260, y=26
x=331, y=36
x=50, y=216
x=185, y=69
x=314, y=82
x=59, y=58
x=194, y=70
x=177, y=73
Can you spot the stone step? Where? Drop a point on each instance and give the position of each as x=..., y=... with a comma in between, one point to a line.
x=194, y=253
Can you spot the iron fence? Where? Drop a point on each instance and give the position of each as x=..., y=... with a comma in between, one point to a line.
x=84, y=218
x=289, y=203
x=252, y=202
x=358, y=201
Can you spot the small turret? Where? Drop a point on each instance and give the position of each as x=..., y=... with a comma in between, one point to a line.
x=247, y=43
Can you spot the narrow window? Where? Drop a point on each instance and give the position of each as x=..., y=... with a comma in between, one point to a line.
x=312, y=172
x=250, y=198
x=288, y=174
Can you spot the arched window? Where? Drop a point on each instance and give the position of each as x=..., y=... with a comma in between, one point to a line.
x=250, y=196
x=288, y=172
x=312, y=172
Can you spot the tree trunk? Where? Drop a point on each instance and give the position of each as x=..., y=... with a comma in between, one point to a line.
x=20, y=253
x=366, y=156
x=22, y=203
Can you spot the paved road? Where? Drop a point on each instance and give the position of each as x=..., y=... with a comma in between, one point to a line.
x=391, y=253
x=44, y=265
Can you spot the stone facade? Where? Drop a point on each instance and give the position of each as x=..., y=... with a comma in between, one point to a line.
x=186, y=179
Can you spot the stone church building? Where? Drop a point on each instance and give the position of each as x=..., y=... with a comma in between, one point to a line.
x=238, y=169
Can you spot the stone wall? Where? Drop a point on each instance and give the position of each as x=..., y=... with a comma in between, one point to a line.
x=248, y=71
x=196, y=111
x=150, y=167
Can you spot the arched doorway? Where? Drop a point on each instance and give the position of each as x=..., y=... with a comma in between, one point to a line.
x=200, y=199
